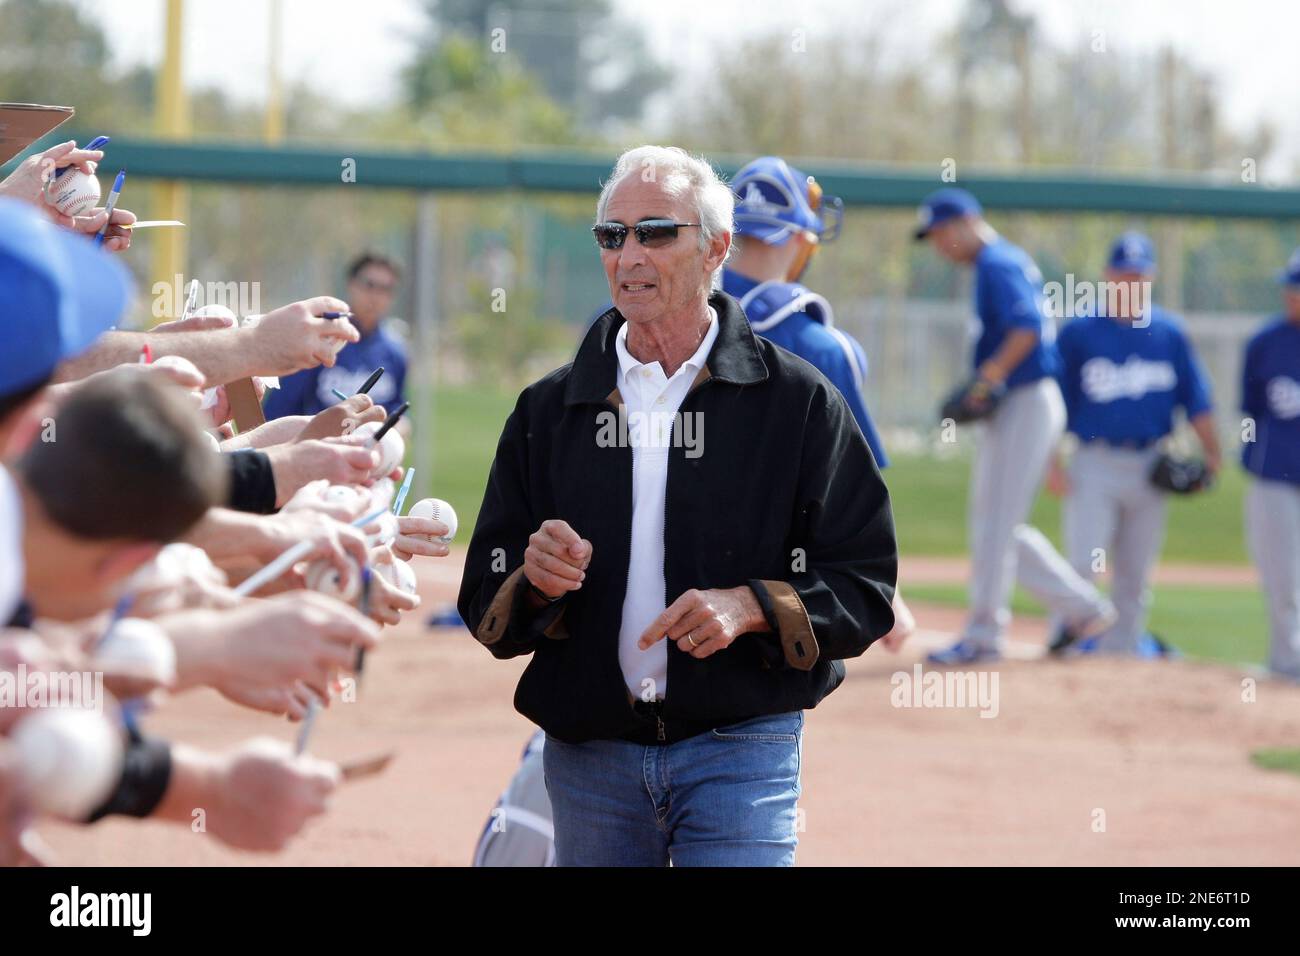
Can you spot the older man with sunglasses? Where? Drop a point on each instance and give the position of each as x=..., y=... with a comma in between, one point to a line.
x=679, y=621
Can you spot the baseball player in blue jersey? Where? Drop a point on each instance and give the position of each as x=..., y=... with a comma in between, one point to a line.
x=1015, y=357
x=373, y=282
x=781, y=219
x=1270, y=395
x=1124, y=371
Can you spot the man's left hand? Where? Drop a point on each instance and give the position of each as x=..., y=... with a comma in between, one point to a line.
x=117, y=238
x=704, y=622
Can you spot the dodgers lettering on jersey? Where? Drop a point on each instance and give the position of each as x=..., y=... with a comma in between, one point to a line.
x=309, y=391
x=800, y=321
x=1121, y=383
x=1270, y=394
x=1009, y=296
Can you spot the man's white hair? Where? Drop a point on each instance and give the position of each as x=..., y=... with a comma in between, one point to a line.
x=680, y=174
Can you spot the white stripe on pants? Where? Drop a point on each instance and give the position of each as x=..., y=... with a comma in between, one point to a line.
x=1273, y=530
x=1009, y=465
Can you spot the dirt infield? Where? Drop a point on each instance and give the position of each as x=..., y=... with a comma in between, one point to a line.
x=1157, y=753
x=932, y=570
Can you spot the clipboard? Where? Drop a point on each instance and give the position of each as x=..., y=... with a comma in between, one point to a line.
x=22, y=124
x=244, y=406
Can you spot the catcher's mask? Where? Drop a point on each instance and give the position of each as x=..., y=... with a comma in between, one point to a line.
x=830, y=213
x=775, y=201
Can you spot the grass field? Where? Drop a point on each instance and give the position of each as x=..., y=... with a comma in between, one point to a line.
x=1223, y=624
x=1278, y=758
x=466, y=426
x=929, y=494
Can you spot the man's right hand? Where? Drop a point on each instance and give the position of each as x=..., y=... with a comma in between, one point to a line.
x=341, y=461
x=342, y=545
x=343, y=418
x=556, y=559
x=294, y=337
x=264, y=795
x=277, y=642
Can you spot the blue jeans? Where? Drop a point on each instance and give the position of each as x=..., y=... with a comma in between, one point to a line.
x=722, y=798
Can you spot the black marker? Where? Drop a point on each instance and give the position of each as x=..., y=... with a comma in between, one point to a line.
x=390, y=421
x=375, y=376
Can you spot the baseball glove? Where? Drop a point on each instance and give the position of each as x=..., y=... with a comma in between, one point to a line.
x=975, y=400
x=1180, y=476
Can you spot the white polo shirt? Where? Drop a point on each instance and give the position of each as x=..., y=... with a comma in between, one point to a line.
x=11, y=547
x=652, y=400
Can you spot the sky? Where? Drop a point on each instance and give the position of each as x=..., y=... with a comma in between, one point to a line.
x=1247, y=44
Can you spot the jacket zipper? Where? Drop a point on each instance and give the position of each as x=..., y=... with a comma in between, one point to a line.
x=667, y=475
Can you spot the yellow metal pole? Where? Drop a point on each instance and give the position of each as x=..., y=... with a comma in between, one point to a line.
x=171, y=121
x=273, y=121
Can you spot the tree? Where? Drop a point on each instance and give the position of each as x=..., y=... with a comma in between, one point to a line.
x=585, y=59
x=78, y=76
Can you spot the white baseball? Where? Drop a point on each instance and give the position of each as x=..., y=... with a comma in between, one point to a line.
x=74, y=193
x=342, y=494
x=140, y=649
x=71, y=760
x=324, y=578
x=215, y=310
x=399, y=574
x=438, y=510
x=386, y=529
x=392, y=449
x=381, y=493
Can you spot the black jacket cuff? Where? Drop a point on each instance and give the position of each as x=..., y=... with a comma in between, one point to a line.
x=252, y=482
x=146, y=773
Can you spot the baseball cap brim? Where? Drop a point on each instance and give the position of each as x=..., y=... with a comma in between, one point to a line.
x=771, y=233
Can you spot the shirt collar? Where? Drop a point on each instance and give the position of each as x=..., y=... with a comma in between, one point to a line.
x=628, y=364
x=735, y=359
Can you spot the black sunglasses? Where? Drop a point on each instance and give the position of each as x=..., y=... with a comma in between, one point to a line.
x=651, y=233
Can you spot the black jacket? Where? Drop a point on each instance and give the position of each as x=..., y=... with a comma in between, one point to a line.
x=783, y=495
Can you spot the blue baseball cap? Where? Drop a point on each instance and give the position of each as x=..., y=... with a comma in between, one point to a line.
x=58, y=293
x=1291, y=274
x=774, y=200
x=942, y=205
x=1133, y=252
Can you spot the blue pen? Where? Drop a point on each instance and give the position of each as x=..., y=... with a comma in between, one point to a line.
x=97, y=143
x=339, y=395
x=403, y=491
x=111, y=205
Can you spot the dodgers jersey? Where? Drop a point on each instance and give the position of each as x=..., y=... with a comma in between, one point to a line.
x=1009, y=296
x=308, y=392
x=1270, y=393
x=1121, y=383
x=789, y=315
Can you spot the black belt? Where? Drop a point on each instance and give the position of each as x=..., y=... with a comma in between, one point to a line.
x=658, y=729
